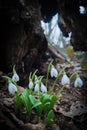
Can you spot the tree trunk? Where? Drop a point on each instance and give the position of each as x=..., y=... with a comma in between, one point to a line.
x=22, y=41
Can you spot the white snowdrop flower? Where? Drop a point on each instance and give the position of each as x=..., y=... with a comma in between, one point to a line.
x=65, y=80
x=36, y=88
x=43, y=88
x=53, y=72
x=30, y=85
x=15, y=77
x=12, y=88
x=78, y=82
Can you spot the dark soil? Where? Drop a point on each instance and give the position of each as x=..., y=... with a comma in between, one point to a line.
x=70, y=109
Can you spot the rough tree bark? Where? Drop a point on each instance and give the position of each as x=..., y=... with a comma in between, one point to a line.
x=74, y=21
x=22, y=40
x=71, y=19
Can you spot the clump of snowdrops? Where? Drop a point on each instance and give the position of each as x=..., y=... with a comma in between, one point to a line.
x=36, y=96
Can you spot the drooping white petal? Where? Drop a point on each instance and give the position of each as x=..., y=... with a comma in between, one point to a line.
x=12, y=88
x=53, y=72
x=78, y=82
x=30, y=85
x=65, y=80
x=43, y=88
x=15, y=77
x=36, y=88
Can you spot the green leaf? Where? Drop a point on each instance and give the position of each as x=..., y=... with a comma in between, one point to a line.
x=14, y=70
x=46, y=107
x=44, y=97
x=26, y=101
x=50, y=117
x=48, y=70
x=36, y=104
x=10, y=80
x=49, y=103
x=34, y=101
x=18, y=101
x=60, y=90
x=53, y=101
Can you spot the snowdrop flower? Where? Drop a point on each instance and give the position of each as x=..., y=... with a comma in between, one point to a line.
x=53, y=72
x=36, y=88
x=43, y=88
x=78, y=82
x=65, y=80
x=12, y=88
x=30, y=85
x=15, y=77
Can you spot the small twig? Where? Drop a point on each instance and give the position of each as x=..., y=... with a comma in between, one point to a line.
x=55, y=53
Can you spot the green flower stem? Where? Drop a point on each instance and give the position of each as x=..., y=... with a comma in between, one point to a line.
x=30, y=76
x=60, y=73
x=64, y=73
x=10, y=81
x=60, y=90
x=33, y=76
x=40, y=78
x=38, y=119
x=39, y=114
x=75, y=73
x=14, y=71
x=48, y=70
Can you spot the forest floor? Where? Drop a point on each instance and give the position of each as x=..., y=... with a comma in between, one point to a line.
x=70, y=109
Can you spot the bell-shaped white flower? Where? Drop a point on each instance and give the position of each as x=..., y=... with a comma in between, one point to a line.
x=15, y=77
x=43, y=88
x=65, y=80
x=36, y=88
x=78, y=82
x=30, y=85
x=53, y=72
x=12, y=88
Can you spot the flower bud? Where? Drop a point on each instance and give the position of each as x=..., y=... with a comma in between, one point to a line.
x=15, y=77
x=43, y=88
x=65, y=80
x=12, y=88
x=36, y=88
x=53, y=72
x=78, y=82
x=30, y=85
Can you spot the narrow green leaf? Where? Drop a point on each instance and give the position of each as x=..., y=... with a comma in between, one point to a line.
x=14, y=70
x=18, y=101
x=44, y=97
x=46, y=107
x=26, y=101
x=34, y=101
x=50, y=117
x=53, y=101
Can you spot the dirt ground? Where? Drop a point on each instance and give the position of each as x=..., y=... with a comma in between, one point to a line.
x=70, y=109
